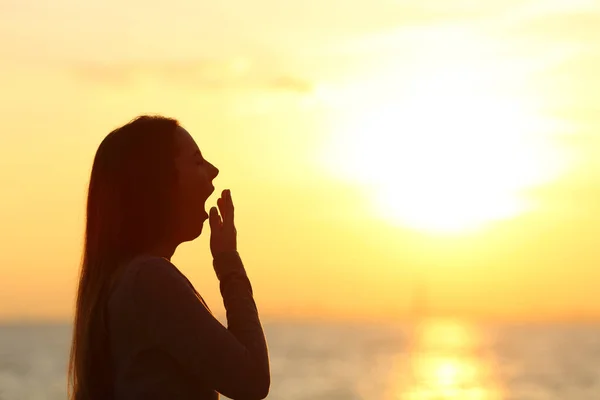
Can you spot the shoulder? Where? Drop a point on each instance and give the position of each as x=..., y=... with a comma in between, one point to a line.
x=149, y=285
x=146, y=273
x=149, y=270
x=157, y=279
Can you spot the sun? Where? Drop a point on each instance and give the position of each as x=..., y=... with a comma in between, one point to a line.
x=447, y=157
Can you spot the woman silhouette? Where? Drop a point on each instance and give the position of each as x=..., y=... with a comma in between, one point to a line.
x=141, y=330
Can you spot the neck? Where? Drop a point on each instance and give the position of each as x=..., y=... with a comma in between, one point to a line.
x=164, y=250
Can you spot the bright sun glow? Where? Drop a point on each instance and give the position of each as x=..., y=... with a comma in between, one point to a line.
x=444, y=363
x=447, y=155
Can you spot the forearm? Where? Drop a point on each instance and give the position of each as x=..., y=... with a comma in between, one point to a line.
x=242, y=314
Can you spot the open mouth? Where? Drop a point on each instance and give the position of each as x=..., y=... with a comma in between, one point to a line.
x=212, y=190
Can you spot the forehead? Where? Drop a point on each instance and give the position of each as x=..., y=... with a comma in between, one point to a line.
x=186, y=145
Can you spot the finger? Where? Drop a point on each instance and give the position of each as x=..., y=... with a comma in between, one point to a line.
x=228, y=207
x=221, y=205
x=214, y=218
x=231, y=208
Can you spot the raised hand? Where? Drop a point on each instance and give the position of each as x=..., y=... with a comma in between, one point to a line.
x=223, y=235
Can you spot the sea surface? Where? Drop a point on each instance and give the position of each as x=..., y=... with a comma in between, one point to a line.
x=435, y=360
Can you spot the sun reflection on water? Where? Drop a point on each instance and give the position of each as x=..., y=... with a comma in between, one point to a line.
x=444, y=363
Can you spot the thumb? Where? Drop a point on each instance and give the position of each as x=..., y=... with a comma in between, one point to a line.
x=213, y=218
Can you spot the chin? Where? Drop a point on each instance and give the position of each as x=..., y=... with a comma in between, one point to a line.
x=192, y=236
x=198, y=230
x=194, y=230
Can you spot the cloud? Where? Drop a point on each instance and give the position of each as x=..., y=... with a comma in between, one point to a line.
x=292, y=84
x=578, y=26
x=207, y=74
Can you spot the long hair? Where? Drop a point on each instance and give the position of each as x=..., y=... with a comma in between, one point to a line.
x=129, y=210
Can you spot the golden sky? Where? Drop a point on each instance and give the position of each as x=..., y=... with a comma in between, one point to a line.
x=371, y=146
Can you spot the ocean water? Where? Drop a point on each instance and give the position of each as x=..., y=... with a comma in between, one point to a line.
x=436, y=360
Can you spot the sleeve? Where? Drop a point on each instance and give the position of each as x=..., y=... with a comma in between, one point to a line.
x=233, y=360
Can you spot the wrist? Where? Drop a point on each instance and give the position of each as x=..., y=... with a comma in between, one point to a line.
x=228, y=262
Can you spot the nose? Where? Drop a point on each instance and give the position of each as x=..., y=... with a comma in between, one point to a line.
x=214, y=171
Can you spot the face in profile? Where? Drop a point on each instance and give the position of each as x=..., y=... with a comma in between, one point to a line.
x=194, y=185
